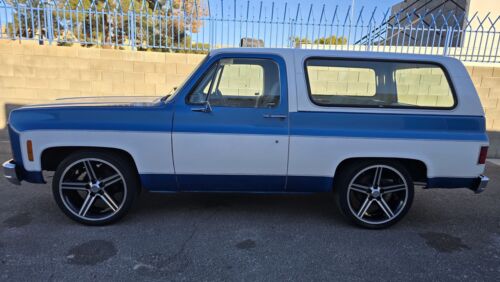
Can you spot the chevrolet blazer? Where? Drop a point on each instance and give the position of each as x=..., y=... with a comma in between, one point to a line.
x=368, y=127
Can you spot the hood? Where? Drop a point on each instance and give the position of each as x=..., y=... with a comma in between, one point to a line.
x=106, y=101
x=95, y=113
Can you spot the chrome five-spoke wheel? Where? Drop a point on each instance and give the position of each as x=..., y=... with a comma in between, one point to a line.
x=376, y=195
x=93, y=188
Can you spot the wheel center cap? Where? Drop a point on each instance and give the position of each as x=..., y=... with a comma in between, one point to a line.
x=95, y=187
x=375, y=192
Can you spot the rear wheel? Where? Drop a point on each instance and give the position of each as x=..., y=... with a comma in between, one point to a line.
x=374, y=194
x=95, y=188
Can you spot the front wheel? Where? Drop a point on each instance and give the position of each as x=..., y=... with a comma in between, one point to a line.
x=95, y=188
x=374, y=194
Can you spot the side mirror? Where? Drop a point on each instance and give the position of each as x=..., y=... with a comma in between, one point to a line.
x=205, y=109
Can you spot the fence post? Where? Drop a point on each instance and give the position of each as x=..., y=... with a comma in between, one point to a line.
x=291, y=34
x=131, y=29
x=447, y=41
x=49, y=23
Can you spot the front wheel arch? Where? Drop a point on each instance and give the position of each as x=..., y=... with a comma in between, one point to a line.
x=51, y=157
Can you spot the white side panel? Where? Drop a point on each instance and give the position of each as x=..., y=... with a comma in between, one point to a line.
x=151, y=151
x=241, y=154
x=320, y=156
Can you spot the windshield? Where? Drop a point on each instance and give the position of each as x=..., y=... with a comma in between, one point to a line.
x=176, y=90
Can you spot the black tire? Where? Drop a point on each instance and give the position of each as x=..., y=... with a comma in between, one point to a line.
x=375, y=207
x=113, y=192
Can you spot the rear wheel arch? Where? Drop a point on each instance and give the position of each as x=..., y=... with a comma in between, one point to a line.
x=418, y=169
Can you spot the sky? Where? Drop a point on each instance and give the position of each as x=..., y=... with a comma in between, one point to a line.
x=330, y=5
x=232, y=33
x=305, y=5
x=225, y=32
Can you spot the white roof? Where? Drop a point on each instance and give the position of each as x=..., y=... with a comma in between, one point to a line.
x=468, y=101
x=338, y=53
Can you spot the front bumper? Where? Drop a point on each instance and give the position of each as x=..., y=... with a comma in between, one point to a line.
x=10, y=172
x=480, y=184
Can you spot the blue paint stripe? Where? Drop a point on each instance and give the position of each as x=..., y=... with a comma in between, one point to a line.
x=159, y=182
x=309, y=184
x=451, y=182
x=152, y=118
x=359, y=125
x=380, y=125
x=362, y=125
x=229, y=121
x=261, y=183
x=266, y=183
x=248, y=183
x=235, y=183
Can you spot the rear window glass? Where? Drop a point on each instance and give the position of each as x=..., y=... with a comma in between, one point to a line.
x=378, y=84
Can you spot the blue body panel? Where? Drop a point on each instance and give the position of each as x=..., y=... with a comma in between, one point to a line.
x=22, y=174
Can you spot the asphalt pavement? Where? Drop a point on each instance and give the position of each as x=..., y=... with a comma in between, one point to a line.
x=447, y=235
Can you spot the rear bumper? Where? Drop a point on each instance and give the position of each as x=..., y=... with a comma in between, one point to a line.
x=10, y=172
x=476, y=184
x=480, y=184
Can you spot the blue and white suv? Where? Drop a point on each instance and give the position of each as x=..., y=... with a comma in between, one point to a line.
x=366, y=126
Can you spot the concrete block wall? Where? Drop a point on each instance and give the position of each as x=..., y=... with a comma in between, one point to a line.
x=422, y=87
x=30, y=73
x=238, y=80
x=335, y=80
x=486, y=79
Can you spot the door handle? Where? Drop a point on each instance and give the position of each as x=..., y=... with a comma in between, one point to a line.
x=203, y=110
x=274, y=116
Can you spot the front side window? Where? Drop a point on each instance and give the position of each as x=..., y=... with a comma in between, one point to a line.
x=248, y=83
x=365, y=83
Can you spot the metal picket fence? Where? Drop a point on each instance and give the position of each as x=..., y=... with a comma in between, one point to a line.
x=202, y=25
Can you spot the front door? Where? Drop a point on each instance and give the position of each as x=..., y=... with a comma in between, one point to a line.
x=230, y=129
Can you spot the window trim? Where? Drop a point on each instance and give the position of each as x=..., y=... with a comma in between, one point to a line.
x=216, y=63
x=445, y=71
x=200, y=79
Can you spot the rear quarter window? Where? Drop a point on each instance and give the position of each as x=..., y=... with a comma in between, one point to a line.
x=382, y=84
